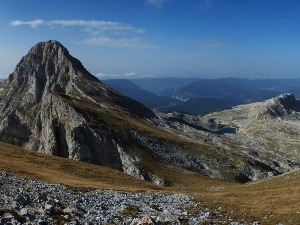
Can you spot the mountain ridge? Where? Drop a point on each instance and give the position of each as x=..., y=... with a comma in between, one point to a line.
x=271, y=128
x=55, y=106
x=198, y=95
x=283, y=105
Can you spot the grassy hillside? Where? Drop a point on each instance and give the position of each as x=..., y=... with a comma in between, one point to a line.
x=269, y=201
x=52, y=169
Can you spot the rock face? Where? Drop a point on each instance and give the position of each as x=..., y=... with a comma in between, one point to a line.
x=50, y=104
x=283, y=106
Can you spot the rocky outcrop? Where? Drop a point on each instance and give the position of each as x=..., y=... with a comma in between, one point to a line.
x=267, y=132
x=283, y=106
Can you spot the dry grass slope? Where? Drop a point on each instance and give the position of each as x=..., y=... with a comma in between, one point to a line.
x=269, y=201
x=33, y=165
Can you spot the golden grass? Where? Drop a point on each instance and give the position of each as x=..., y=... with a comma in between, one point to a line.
x=30, y=164
x=270, y=201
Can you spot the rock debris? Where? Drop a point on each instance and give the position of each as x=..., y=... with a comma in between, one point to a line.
x=25, y=201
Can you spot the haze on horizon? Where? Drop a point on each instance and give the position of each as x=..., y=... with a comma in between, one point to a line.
x=160, y=38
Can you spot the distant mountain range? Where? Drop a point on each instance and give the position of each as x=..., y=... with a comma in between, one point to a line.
x=196, y=95
x=136, y=92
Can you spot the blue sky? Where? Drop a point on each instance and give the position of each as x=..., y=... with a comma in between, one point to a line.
x=160, y=38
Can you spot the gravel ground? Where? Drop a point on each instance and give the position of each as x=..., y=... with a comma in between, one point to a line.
x=24, y=201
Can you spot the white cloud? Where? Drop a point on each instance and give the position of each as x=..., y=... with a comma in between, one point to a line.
x=211, y=43
x=130, y=74
x=102, y=33
x=33, y=23
x=104, y=76
x=126, y=75
x=105, y=26
x=156, y=3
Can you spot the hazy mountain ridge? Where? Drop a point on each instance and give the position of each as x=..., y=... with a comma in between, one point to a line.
x=159, y=85
x=196, y=95
x=134, y=91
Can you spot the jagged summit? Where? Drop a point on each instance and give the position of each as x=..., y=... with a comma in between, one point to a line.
x=282, y=106
x=48, y=67
x=53, y=51
x=287, y=100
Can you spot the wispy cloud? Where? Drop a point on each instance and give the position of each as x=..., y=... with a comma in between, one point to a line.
x=156, y=3
x=130, y=74
x=100, y=25
x=117, y=76
x=212, y=44
x=117, y=43
x=105, y=33
x=33, y=23
x=123, y=75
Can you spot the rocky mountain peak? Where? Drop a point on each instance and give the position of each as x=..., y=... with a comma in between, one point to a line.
x=287, y=100
x=54, y=52
x=51, y=51
x=47, y=67
x=48, y=49
x=282, y=106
